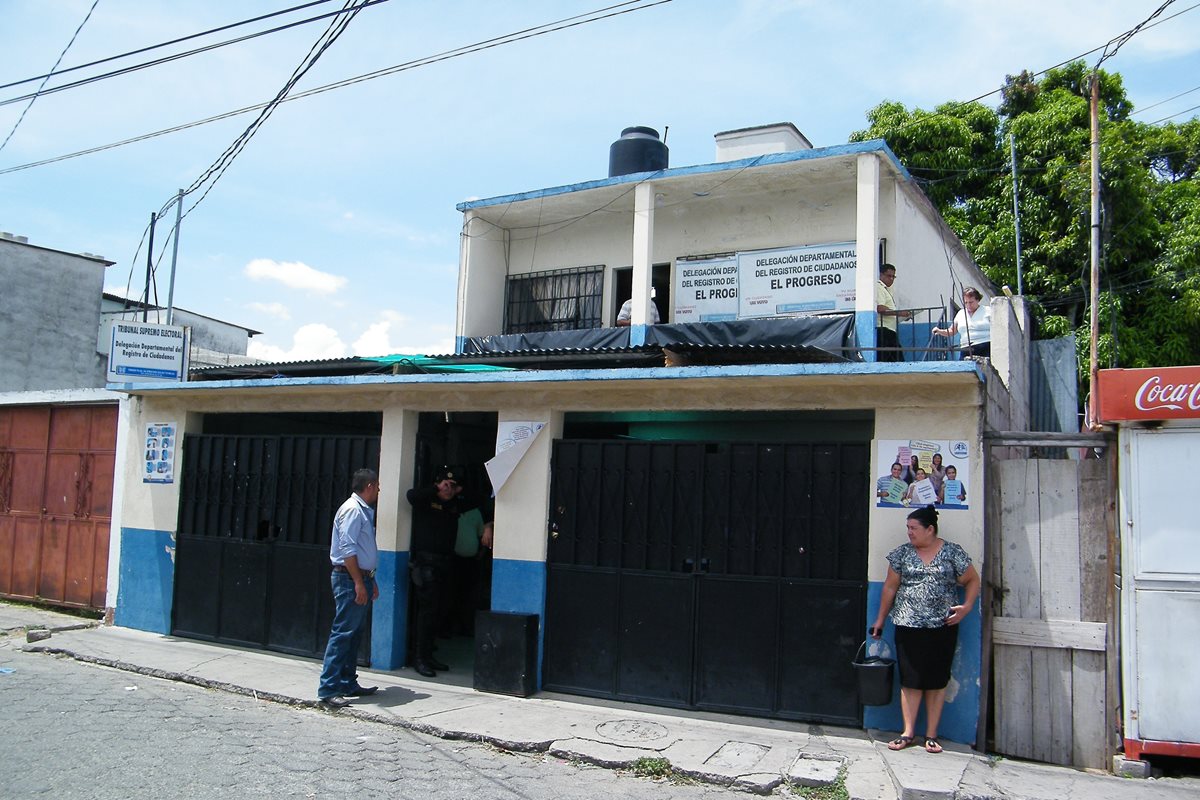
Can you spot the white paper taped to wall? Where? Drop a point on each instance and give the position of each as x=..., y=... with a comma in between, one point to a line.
x=512, y=441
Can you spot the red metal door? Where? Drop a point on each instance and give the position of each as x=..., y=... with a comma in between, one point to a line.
x=56, y=479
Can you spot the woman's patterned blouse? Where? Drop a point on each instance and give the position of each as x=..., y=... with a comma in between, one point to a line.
x=926, y=592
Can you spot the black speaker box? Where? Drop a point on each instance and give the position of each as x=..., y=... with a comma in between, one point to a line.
x=506, y=652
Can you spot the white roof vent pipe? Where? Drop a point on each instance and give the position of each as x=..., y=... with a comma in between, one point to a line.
x=782, y=137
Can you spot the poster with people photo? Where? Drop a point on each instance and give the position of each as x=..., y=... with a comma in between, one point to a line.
x=160, y=452
x=918, y=472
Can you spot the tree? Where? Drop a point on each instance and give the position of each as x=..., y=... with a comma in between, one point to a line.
x=1150, y=274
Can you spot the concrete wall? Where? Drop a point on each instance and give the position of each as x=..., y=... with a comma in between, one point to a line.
x=915, y=417
x=48, y=319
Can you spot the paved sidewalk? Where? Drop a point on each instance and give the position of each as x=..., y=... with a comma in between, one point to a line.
x=751, y=754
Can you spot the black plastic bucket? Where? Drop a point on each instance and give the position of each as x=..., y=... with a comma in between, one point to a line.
x=874, y=677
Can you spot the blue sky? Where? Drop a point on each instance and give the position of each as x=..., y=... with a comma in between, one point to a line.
x=335, y=231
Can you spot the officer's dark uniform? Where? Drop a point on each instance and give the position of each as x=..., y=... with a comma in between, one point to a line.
x=435, y=527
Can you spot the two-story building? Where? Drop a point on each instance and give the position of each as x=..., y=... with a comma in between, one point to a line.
x=691, y=509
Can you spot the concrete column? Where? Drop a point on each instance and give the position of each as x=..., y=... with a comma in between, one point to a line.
x=143, y=593
x=393, y=531
x=522, y=509
x=1010, y=354
x=867, y=245
x=643, y=260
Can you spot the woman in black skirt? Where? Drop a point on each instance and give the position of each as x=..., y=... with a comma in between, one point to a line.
x=921, y=592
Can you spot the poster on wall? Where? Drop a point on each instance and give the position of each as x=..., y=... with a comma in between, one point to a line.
x=797, y=280
x=706, y=290
x=512, y=441
x=921, y=472
x=161, y=448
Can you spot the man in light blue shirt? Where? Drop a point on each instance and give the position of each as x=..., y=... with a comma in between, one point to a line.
x=354, y=556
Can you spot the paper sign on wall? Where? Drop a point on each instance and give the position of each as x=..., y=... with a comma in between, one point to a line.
x=512, y=442
x=161, y=448
x=931, y=471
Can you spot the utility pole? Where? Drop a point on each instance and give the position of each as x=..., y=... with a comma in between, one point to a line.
x=149, y=266
x=1012, y=144
x=174, y=258
x=1095, y=252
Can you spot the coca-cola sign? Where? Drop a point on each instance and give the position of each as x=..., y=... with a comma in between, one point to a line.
x=1157, y=393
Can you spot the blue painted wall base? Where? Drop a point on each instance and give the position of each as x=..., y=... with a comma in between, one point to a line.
x=147, y=580
x=961, y=712
x=389, y=614
x=520, y=587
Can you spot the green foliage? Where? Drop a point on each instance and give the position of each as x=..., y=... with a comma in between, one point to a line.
x=1150, y=230
x=834, y=791
x=652, y=767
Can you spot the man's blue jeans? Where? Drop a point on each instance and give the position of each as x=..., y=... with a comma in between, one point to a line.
x=340, y=673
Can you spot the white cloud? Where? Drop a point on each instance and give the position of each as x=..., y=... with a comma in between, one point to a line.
x=388, y=336
x=294, y=274
x=311, y=342
x=277, y=310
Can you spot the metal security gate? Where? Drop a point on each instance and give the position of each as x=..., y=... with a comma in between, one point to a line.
x=727, y=577
x=252, y=551
x=56, y=482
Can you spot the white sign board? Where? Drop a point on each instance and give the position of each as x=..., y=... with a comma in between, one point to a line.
x=144, y=351
x=797, y=280
x=706, y=290
x=162, y=445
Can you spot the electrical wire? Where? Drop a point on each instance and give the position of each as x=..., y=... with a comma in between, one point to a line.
x=1129, y=33
x=39, y=91
x=1120, y=41
x=178, y=56
x=217, y=169
x=486, y=44
x=161, y=45
x=1162, y=102
x=1167, y=119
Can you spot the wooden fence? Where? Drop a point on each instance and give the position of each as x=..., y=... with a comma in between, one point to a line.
x=1050, y=586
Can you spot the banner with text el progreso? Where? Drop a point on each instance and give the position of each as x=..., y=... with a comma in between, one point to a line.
x=706, y=290
x=797, y=280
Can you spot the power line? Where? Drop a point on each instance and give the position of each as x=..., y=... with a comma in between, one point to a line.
x=161, y=45
x=1163, y=102
x=1120, y=41
x=1176, y=114
x=510, y=38
x=38, y=93
x=217, y=169
x=177, y=56
x=999, y=89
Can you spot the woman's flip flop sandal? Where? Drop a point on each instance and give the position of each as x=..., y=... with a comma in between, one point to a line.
x=900, y=742
x=932, y=746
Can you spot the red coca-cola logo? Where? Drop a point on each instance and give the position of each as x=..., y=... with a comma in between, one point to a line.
x=1155, y=395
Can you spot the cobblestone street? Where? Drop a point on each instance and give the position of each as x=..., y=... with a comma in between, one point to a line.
x=76, y=730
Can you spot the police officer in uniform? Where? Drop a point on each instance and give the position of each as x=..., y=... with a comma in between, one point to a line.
x=436, y=509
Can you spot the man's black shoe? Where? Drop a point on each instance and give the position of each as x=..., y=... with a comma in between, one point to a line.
x=438, y=665
x=337, y=701
x=424, y=669
x=362, y=691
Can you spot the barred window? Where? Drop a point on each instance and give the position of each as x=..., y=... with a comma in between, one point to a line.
x=555, y=300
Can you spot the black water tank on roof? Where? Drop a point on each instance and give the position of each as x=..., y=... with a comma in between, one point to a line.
x=638, y=150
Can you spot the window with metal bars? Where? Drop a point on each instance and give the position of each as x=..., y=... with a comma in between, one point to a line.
x=554, y=300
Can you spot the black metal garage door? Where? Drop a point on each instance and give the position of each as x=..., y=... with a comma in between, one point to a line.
x=252, y=552
x=726, y=577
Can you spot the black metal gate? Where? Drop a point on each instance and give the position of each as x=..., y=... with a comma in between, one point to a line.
x=252, y=551
x=726, y=577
